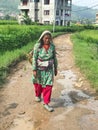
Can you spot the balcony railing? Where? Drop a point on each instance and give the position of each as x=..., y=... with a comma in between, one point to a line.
x=24, y=6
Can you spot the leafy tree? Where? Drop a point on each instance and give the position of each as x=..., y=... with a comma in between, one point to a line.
x=27, y=20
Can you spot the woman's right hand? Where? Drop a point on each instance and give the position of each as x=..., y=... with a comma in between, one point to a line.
x=35, y=73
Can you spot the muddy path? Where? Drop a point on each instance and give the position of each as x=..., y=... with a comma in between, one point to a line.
x=75, y=103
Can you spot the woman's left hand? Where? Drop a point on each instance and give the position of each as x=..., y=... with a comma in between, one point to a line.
x=55, y=72
x=35, y=73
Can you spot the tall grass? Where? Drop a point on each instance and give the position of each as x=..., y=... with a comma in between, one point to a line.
x=90, y=36
x=86, y=55
x=13, y=56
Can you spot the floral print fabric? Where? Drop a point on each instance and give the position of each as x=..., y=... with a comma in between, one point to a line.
x=45, y=76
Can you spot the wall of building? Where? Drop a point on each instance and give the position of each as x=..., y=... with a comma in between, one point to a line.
x=58, y=11
x=96, y=22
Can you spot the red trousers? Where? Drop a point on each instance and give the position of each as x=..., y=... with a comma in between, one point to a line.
x=45, y=91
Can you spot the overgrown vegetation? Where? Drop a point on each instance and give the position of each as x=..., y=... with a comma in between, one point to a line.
x=86, y=54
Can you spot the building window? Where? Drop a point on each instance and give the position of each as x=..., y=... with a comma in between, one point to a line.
x=46, y=12
x=61, y=12
x=57, y=3
x=61, y=2
x=46, y=2
x=36, y=0
x=25, y=2
x=57, y=12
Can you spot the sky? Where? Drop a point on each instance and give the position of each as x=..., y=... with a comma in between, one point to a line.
x=88, y=3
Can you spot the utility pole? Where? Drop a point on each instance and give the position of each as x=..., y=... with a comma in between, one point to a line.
x=54, y=19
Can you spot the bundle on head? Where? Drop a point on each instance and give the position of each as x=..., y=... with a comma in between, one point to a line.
x=29, y=56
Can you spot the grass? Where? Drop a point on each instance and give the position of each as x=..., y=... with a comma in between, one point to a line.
x=86, y=59
x=10, y=57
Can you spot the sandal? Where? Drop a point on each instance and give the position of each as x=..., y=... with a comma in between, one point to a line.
x=49, y=108
x=38, y=99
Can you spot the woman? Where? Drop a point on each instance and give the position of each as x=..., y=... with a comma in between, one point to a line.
x=44, y=68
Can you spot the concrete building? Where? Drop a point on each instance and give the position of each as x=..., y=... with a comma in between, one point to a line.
x=96, y=19
x=47, y=11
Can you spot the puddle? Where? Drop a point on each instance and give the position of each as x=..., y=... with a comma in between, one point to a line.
x=69, y=93
x=71, y=96
x=69, y=79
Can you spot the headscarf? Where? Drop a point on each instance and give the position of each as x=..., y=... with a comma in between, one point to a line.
x=45, y=32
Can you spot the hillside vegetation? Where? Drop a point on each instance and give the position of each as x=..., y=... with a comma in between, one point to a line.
x=9, y=6
x=80, y=13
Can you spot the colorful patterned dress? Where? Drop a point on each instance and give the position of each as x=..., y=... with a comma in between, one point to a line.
x=45, y=62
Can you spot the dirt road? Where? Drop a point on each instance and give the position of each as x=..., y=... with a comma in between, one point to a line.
x=73, y=99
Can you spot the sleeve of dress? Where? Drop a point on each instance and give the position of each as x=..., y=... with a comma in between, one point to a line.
x=55, y=60
x=34, y=59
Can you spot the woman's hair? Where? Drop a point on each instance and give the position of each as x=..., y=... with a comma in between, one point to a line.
x=41, y=40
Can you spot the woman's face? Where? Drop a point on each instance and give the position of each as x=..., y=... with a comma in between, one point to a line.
x=47, y=39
